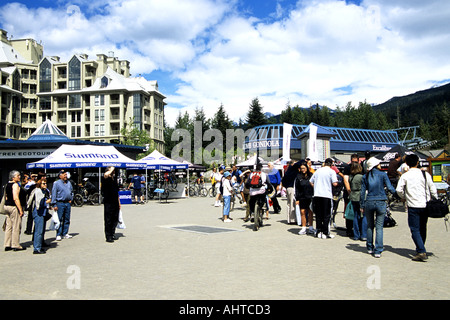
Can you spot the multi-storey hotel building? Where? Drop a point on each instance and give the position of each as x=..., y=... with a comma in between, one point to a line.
x=86, y=99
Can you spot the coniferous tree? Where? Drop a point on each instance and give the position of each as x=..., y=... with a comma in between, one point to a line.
x=255, y=115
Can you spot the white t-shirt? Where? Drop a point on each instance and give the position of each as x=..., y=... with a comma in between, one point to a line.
x=323, y=179
x=262, y=190
x=226, y=187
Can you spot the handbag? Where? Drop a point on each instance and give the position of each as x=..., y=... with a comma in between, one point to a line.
x=2, y=203
x=121, y=224
x=435, y=208
x=349, y=212
x=54, y=223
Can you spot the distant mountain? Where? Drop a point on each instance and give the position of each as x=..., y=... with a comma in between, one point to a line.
x=413, y=107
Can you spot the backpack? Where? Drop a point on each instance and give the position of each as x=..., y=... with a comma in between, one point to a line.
x=256, y=181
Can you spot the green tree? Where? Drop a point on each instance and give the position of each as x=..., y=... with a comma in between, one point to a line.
x=255, y=115
x=134, y=136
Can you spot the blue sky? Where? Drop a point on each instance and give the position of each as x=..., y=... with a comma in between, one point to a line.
x=204, y=53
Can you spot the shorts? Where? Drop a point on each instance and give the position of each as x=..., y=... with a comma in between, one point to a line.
x=137, y=192
x=305, y=203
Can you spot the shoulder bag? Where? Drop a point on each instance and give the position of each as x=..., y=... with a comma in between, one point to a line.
x=435, y=207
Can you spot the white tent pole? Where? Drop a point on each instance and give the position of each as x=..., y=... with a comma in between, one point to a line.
x=99, y=186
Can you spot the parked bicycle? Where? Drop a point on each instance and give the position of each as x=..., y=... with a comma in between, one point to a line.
x=85, y=195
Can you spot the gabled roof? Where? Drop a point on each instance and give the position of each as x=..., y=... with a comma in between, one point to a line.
x=10, y=55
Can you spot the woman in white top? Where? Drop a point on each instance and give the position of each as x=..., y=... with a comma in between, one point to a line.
x=227, y=190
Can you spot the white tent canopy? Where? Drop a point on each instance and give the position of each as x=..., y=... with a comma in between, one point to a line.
x=85, y=156
x=250, y=162
x=156, y=160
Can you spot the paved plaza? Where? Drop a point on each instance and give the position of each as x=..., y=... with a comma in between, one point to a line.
x=181, y=250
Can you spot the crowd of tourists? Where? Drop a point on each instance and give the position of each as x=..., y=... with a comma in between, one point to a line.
x=310, y=193
x=313, y=195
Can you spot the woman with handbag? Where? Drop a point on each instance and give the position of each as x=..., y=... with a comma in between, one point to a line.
x=39, y=201
x=417, y=187
x=14, y=193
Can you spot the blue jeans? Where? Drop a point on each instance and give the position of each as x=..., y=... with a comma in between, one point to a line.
x=39, y=230
x=375, y=211
x=359, y=222
x=417, y=222
x=64, y=218
x=226, y=205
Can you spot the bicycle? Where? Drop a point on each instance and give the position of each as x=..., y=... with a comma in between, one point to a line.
x=236, y=194
x=212, y=191
x=82, y=195
x=260, y=208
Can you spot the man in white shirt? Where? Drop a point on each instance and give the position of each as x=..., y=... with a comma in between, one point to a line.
x=416, y=186
x=323, y=181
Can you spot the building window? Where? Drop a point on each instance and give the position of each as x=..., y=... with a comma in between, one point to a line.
x=137, y=111
x=100, y=115
x=74, y=74
x=75, y=101
x=99, y=100
x=104, y=82
x=45, y=76
x=45, y=103
x=76, y=116
x=75, y=132
x=99, y=130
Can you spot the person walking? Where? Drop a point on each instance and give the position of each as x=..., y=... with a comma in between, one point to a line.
x=275, y=180
x=218, y=178
x=227, y=190
x=416, y=186
x=323, y=181
x=14, y=212
x=39, y=201
x=61, y=202
x=303, y=192
x=111, y=203
x=137, y=186
x=354, y=190
x=288, y=182
x=373, y=204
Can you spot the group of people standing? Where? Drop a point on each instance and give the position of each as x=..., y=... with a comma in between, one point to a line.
x=311, y=192
x=36, y=199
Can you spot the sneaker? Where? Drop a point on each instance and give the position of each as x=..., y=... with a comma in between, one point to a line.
x=311, y=230
x=328, y=236
x=369, y=251
x=302, y=231
x=377, y=255
x=319, y=235
x=227, y=220
x=58, y=238
x=67, y=236
x=216, y=204
x=420, y=257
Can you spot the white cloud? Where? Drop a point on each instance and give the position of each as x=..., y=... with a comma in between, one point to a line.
x=323, y=52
